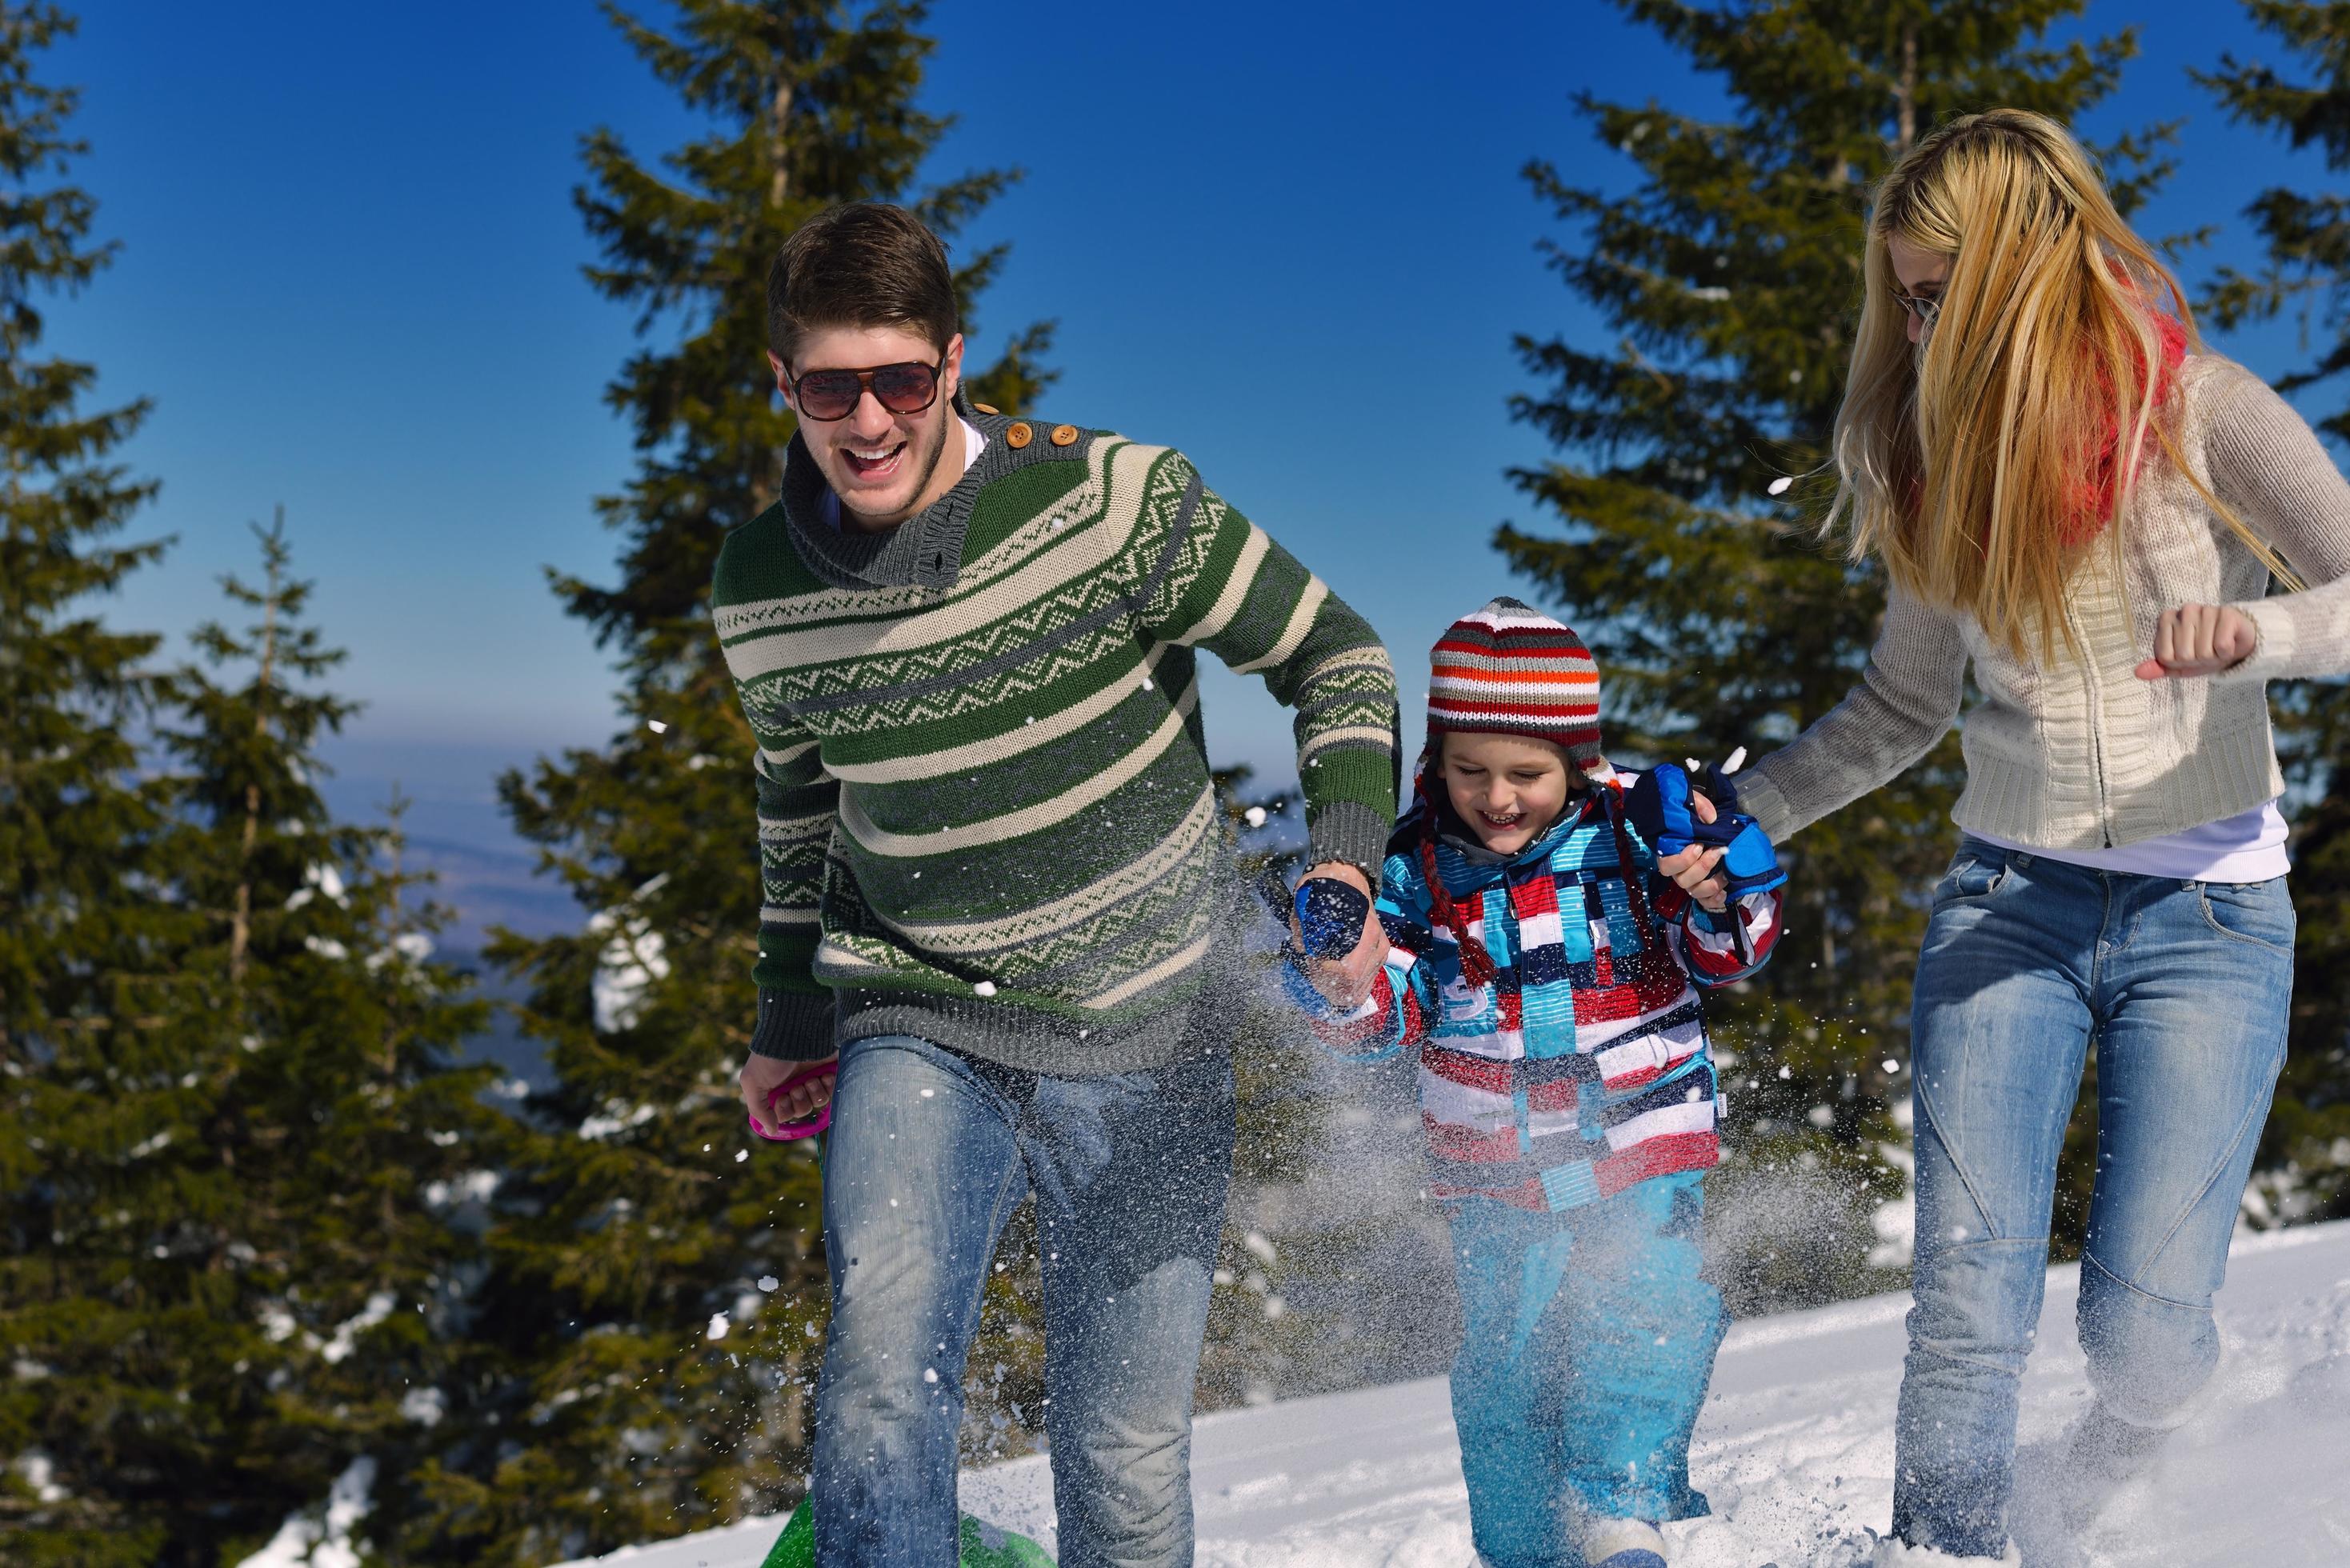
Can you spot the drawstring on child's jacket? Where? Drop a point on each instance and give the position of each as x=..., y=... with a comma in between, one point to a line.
x=1633, y=893
x=1476, y=964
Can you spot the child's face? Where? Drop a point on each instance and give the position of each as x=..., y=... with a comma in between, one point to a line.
x=1508, y=789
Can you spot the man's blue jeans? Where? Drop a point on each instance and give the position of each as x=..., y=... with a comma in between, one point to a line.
x=928, y=1155
x=2184, y=987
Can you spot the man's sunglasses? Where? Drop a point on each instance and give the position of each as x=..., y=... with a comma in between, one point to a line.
x=827, y=394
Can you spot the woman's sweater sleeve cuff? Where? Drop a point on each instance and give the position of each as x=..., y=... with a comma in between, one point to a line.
x=1759, y=798
x=2274, y=655
x=794, y=1026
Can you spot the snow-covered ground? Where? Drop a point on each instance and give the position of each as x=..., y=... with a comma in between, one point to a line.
x=1795, y=1448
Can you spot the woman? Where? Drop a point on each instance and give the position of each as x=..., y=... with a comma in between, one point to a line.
x=2065, y=492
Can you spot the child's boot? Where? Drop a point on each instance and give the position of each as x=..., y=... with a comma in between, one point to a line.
x=1623, y=1543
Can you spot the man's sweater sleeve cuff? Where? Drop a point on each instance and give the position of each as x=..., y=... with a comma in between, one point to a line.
x=794, y=1026
x=1351, y=834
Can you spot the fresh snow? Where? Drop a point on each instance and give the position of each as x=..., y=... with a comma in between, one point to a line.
x=346, y=1334
x=1795, y=1448
x=307, y=1540
x=631, y=960
x=318, y=877
x=39, y=1474
x=616, y=1117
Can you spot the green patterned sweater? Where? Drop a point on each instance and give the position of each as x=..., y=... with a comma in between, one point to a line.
x=985, y=813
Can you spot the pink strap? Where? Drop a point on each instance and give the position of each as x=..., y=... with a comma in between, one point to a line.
x=807, y=1126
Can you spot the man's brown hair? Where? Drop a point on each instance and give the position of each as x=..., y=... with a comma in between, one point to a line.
x=862, y=263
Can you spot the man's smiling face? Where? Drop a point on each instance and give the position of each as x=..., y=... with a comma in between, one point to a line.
x=884, y=466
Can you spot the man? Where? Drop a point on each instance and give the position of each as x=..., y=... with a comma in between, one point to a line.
x=993, y=877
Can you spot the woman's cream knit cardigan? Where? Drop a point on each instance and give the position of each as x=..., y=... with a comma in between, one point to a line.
x=2082, y=753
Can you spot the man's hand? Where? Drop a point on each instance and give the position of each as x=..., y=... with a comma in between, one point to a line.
x=1344, y=982
x=1692, y=869
x=2199, y=639
x=760, y=1075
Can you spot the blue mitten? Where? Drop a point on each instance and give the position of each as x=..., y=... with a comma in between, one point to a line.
x=1329, y=913
x=1717, y=786
x=1658, y=805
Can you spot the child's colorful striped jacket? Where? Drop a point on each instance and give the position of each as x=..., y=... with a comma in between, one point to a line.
x=1583, y=1068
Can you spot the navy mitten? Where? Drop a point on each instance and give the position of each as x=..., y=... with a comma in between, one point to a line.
x=1329, y=913
x=1658, y=805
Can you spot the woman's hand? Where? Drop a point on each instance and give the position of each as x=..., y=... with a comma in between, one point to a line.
x=1691, y=870
x=2199, y=640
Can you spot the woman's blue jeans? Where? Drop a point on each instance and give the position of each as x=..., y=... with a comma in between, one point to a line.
x=928, y=1153
x=2183, y=987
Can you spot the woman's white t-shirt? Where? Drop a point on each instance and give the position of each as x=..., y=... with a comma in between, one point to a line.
x=2246, y=847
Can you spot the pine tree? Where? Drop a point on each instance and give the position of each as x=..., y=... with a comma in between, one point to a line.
x=76, y=816
x=343, y=1150
x=2305, y=1160
x=1730, y=281
x=2307, y=233
x=252, y=1284
x=655, y=1222
x=72, y=809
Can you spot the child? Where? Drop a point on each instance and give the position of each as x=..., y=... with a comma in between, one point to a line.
x=1549, y=977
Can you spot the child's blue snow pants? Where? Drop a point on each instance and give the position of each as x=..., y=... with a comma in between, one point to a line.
x=1589, y=1341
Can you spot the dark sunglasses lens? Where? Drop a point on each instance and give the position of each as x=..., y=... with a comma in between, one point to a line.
x=905, y=389
x=829, y=394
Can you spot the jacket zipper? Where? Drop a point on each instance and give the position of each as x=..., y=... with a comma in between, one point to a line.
x=2097, y=744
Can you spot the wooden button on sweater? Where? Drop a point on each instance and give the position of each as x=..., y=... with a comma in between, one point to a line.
x=1018, y=436
x=1064, y=435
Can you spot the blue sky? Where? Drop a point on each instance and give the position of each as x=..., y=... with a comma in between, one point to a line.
x=350, y=281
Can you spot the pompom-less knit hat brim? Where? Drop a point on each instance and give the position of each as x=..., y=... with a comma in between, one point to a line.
x=1510, y=670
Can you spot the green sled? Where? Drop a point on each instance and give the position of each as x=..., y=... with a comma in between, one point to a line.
x=983, y=1545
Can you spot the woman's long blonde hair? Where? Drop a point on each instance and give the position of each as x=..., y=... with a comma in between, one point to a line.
x=1968, y=463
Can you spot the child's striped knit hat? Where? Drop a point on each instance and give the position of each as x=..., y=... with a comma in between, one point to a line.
x=1510, y=670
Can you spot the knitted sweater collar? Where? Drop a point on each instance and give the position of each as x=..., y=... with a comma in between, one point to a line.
x=925, y=550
